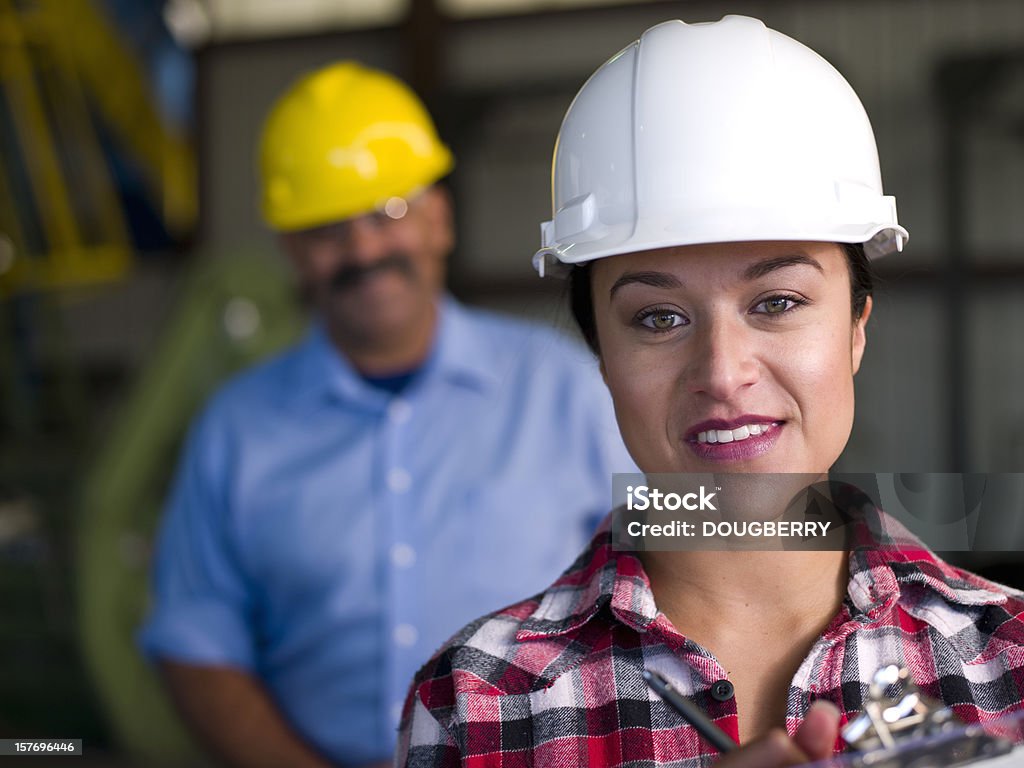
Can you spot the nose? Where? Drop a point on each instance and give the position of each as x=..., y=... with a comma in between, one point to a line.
x=724, y=362
x=365, y=239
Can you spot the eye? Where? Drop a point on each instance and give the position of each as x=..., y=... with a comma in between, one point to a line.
x=660, y=319
x=380, y=218
x=777, y=305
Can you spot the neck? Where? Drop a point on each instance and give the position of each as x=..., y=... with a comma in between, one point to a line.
x=715, y=597
x=388, y=353
x=758, y=613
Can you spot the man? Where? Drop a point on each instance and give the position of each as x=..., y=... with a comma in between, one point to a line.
x=342, y=509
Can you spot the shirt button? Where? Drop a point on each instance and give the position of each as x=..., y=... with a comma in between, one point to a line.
x=399, y=480
x=405, y=635
x=722, y=690
x=402, y=556
x=399, y=411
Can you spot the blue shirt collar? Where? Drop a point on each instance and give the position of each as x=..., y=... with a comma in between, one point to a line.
x=462, y=354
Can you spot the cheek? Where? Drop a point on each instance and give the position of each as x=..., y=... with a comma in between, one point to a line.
x=642, y=388
x=421, y=245
x=819, y=376
x=826, y=362
x=316, y=264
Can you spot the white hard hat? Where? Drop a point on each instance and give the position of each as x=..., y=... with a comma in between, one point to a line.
x=717, y=132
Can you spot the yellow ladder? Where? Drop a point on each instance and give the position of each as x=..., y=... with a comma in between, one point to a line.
x=61, y=220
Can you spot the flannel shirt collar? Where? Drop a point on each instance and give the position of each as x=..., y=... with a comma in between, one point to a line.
x=599, y=577
x=887, y=563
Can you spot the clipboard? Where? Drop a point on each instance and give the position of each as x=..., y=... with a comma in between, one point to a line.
x=912, y=730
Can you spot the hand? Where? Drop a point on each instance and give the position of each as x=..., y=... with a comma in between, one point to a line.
x=813, y=741
x=232, y=714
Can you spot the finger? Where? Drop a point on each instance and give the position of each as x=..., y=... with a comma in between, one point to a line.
x=773, y=750
x=817, y=735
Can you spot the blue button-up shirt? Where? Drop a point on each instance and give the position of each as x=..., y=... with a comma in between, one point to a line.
x=328, y=536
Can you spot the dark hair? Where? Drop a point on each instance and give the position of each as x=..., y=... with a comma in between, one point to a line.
x=581, y=300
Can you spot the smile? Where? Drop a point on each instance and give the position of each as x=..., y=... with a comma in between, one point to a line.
x=733, y=435
x=741, y=438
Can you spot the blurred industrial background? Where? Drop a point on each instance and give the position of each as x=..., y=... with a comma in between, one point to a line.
x=135, y=273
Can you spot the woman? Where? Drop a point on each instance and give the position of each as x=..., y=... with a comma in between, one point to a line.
x=717, y=198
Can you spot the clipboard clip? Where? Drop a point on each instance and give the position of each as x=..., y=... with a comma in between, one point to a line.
x=913, y=730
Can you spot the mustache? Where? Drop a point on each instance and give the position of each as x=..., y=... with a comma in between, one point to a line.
x=353, y=274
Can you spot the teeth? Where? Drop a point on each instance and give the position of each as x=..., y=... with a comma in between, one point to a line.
x=731, y=435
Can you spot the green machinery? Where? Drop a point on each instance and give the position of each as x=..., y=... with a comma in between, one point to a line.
x=233, y=312
x=63, y=66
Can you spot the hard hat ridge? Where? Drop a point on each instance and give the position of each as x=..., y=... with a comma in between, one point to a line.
x=714, y=132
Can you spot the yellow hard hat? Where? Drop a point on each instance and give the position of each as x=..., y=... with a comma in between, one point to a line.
x=341, y=142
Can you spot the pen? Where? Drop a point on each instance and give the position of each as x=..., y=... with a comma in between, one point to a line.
x=690, y=712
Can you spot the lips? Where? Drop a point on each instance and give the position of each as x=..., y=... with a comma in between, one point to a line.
x=731, y=429
x=743, y=437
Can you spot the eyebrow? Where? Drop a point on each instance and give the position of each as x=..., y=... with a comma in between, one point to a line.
x=753, y=272
x=762, y=268
x=653, y=279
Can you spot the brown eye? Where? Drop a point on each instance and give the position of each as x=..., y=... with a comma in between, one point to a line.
x=776, y=305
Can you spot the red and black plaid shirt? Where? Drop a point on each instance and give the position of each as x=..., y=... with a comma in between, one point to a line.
x=556, y=680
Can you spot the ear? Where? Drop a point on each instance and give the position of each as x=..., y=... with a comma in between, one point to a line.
x=859, y=336
x=287, y=242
